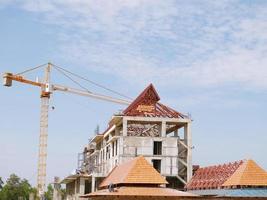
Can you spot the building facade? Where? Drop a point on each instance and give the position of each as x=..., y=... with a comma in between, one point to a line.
x=148, y=128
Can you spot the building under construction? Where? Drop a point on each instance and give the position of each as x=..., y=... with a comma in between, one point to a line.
x=146, y=127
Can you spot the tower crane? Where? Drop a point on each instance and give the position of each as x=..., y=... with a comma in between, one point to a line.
x=46, y=90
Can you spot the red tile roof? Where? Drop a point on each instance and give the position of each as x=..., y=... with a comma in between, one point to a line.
x=140, y=191
x=212, y=177
x=147, y=105
x=136, y=171
x=241, y=173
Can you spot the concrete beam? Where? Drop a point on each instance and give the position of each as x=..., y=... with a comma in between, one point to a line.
x=181, y=179
x=182, y=143
x=182, y=152
x=157, y=119
x=109, y=131
x=175, y=129
x=183, y=162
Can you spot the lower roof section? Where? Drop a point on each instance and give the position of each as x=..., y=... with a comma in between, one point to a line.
x=140, y=191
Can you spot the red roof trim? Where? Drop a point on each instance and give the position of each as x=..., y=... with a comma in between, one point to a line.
x=149, y=97
x=141, y=97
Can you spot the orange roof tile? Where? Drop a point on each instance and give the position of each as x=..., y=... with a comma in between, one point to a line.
x=140, y=191
x=136, y=171
x=248, y=174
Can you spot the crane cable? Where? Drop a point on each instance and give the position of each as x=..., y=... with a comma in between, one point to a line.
x=92, y=82
x=65, y=71
x=31, y=69
x=74, y=81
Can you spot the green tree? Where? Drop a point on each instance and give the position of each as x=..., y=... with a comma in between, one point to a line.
x=35, y=193
x=1, y=183
x=49, y=193
x=1, y=186
x=15, y=188
x=63, y=193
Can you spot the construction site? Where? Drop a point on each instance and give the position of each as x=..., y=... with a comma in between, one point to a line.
x=145, y=153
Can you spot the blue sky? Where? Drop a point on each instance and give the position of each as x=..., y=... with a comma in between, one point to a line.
x=206, y=58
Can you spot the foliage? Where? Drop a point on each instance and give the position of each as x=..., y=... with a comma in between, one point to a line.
x=49, y=193
x=50, y=190
x=16, y=188
x=1, y=183
x=63, y=193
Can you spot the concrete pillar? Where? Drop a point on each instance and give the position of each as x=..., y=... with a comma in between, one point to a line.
x=93, y=183
x=176, y=133
x=82, y=185
x=112, y=149
x=75, y=186
x=116, y=147
x=163, y=129
x=124, y=127
x=111, y=155
x=188, y=142
x=120, y=148
x=56, y=191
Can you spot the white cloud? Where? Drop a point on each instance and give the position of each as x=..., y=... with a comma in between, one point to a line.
x=192, y=43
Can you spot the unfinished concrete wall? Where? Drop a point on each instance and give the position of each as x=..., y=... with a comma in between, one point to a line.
x=134, y=146
x=129, y=137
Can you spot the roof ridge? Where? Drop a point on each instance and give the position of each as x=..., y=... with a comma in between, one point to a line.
x=139, y=97
x=242, y=169
x=218, y=165
x=147, y=105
